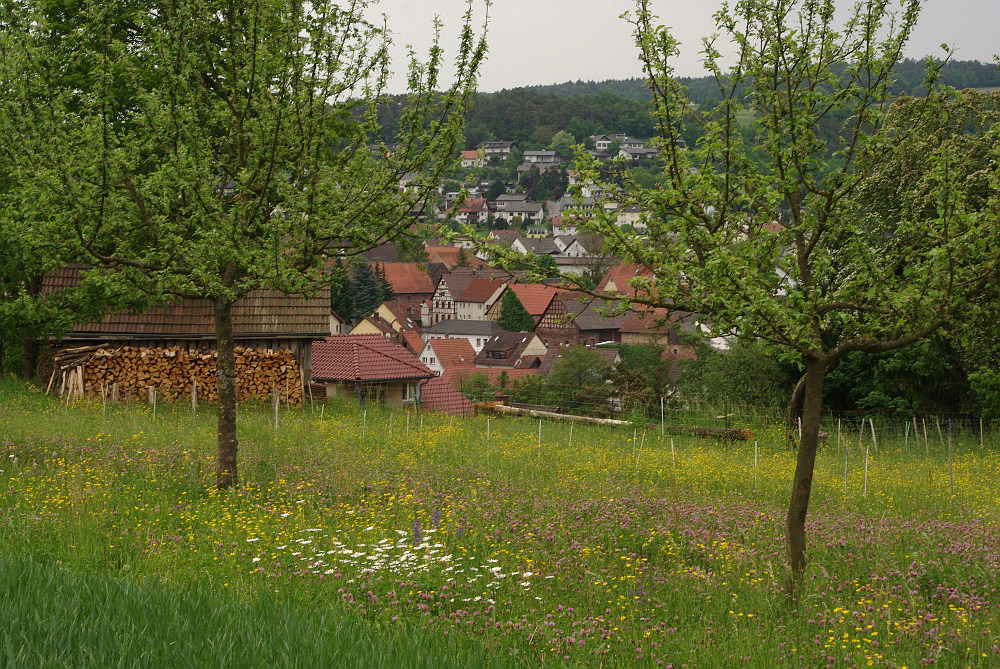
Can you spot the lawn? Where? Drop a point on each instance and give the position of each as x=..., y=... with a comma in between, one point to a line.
x=496, y=541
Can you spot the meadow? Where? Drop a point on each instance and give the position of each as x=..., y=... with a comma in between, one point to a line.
x=395, y=539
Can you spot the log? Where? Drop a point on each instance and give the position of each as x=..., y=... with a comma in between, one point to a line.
x=534, y=413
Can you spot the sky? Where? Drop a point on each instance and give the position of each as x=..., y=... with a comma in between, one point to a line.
x=553, y=41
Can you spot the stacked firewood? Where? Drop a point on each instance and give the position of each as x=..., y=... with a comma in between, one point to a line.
x=174, y=372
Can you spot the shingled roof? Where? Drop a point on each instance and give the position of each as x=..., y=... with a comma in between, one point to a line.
x=262, y=313
x=364, y=358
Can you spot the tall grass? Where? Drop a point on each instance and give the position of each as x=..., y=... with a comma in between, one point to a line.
x=628, y=547
x=54, y=618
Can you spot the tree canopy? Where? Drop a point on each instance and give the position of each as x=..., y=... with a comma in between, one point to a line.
x=513, y=316
x=770, y=238
x=214, y=148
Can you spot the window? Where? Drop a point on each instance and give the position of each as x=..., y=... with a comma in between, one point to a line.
x=411, y=392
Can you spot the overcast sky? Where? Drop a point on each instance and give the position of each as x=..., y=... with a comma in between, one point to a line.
x=553, y=41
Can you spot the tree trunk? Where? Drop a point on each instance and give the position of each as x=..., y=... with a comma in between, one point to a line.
x=804, y=464
x=794, y=410
x=30, y=347
x=225, y=466
x=30, y=339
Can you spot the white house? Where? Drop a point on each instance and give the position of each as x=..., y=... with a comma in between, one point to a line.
x=476, y=332
x=530, y=212
x=541, y=157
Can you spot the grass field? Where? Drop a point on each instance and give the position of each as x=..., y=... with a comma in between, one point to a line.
x=388, y=540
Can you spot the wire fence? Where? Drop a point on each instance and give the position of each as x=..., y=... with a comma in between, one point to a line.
x=673, y=412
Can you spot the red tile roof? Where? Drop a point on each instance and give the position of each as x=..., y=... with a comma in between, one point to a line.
x=534, y=296
x=504, y=235
x=480, y=290
x=414, y=343
x=454, y=353
x=449, y=256
x=474, y=205
x=621, y=276
x=364, y=358
x=439, y=395
x=493, y=373
x=408, y=278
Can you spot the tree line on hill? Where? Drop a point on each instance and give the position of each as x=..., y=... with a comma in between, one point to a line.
x=909, y=75
x=532, y=115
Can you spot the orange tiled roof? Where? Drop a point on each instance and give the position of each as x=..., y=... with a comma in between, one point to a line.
x=449, y=255
x=535, y=297
x=414, y=343
x=620, y=277
x=408, y=278
x=454, y=353
x=480, y=290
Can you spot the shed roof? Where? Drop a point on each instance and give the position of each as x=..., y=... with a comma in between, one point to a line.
x=364, y=358
x=261, y=313
x=412, y=340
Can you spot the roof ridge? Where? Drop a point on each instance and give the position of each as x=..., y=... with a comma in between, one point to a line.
x=354, y=357
x=392, y=354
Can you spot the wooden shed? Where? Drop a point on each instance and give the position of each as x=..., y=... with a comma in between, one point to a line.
x=265, y=319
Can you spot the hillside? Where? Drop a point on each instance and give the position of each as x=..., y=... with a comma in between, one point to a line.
x=909, y=75
x=532, y=115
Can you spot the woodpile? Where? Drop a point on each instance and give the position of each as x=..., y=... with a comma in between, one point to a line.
x=177, y=374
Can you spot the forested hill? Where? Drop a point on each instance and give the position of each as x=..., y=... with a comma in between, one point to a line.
x=532, y=115
x=909, y=77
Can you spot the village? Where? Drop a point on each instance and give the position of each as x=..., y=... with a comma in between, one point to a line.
x=445, y=322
